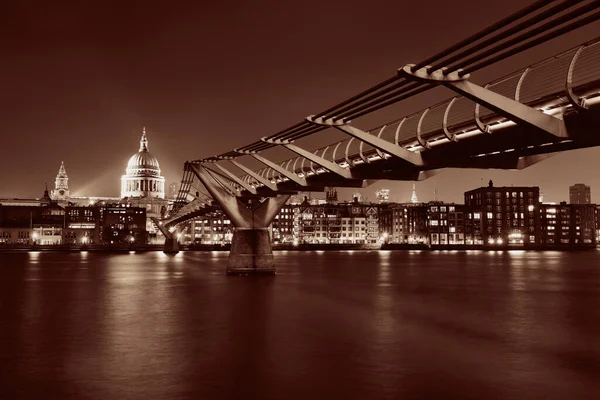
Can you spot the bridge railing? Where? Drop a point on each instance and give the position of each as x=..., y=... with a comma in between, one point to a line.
x=542, y=86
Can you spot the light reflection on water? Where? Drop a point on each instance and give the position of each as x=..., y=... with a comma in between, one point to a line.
x=331, y=324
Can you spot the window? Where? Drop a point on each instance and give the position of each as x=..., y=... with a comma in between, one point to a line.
x=490, y=215
x=434, y=222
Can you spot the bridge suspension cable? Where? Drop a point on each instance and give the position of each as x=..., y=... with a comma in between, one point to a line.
x=537, y=23
x=509, y=36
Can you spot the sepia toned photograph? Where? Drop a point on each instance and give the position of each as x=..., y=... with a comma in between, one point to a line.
x=300, y=200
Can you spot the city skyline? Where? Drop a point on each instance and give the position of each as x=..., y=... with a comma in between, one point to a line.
x=93, y=94
x=400, y=192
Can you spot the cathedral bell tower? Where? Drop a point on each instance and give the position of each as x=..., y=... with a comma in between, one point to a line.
x=61, y=185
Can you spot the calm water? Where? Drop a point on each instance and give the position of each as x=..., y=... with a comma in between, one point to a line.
x=360, y=325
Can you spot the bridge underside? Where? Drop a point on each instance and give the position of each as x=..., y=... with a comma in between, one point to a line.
x=510, y=124
x=513, y=147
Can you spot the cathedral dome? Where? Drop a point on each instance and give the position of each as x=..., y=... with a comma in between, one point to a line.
x=142, y=177
x=142, y=162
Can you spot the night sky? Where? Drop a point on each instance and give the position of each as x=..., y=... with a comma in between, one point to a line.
x=79, y=81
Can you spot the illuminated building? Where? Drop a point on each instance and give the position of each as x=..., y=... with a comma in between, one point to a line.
x=568, y=225
x=433, y=223
x=282, y=228
x=580, y=194
x=142, y=177
x=446, y=223
x=61, y=185
x=383, y=195
x=499, y=216
x=122, y=225
x=413, y=198
x=343, y=223
x=143, y=186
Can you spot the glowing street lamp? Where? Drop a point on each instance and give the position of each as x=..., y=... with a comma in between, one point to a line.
x=84, y=240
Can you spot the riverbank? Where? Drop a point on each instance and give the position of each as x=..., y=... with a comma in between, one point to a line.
x=280, y=247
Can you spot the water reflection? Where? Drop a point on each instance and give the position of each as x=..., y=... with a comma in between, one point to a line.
x=347, y=324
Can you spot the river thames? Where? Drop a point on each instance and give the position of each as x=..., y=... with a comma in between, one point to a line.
x=347, y=325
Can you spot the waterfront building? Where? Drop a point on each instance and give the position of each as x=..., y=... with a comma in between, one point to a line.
x=568, y=225
x=41, y=223
x=434, y=223
x=499, y=216
x=50, y=224
x=446, y=223
x=282, y=228
x=343, y=223
x=82, y=225
x=580, y=194
x=122, y=224
x=212, y=228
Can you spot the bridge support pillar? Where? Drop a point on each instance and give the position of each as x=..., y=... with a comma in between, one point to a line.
x=251, y=252
x=171, y=245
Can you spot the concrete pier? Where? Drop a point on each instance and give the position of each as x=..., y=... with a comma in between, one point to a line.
x=251, y=253
x=171, y=245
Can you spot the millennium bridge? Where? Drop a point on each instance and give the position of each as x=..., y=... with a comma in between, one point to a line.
x=510, y=123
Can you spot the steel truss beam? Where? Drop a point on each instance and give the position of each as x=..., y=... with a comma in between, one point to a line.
x=236, y=179
x=509, y=108
x=378, y=143
x=328, y=165
x=227, y=181
x=284, y=172
x=267, y=183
